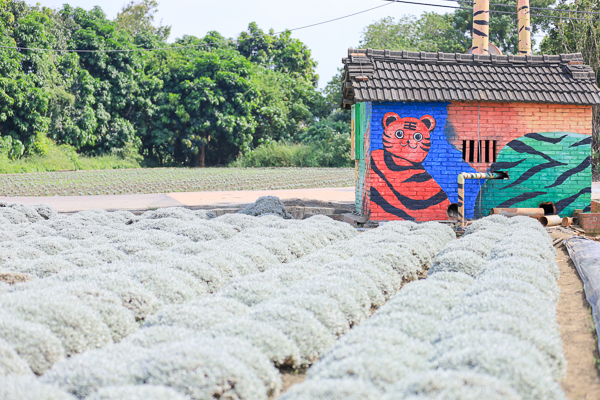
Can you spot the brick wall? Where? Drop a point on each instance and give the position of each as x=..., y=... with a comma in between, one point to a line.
x=551, y=163
x=590, y=222
x=543, y=167
x=507, y=121
x=362, y=130
x=442, y=162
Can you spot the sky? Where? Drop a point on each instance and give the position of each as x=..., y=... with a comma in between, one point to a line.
x=328, y=42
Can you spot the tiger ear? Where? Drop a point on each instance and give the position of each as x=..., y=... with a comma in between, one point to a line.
x=389, y=118
x=429, y=122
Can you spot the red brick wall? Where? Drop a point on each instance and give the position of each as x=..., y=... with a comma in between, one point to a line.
x=590, y=222
x=504, y=122
x=595, y=206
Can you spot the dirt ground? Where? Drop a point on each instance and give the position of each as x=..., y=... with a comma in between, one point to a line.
x=290, y=379
x=577, y=330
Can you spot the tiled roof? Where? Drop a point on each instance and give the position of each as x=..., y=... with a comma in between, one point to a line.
x=384, y=75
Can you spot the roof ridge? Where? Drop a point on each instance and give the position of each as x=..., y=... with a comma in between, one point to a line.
x=425, y=56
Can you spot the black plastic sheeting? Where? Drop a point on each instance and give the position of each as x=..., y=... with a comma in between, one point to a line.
x=585, y=254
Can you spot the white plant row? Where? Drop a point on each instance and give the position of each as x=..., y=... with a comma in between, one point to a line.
x=93, y=276
x=229, y=345
x=481, y=326
x=96, y=276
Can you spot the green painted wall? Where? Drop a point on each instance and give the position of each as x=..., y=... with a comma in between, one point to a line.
x=543, y=167
x=362, y=120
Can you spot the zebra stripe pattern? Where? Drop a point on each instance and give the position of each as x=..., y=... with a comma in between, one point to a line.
x=524, y=27
x=544, y=167
x=481, y=27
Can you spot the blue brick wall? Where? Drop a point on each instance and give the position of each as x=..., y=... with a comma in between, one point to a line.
x=443, y=162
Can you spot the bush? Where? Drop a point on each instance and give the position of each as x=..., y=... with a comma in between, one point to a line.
x=137, y=392
x=34, y=342
x=29, y=388
x=284, y=154
x=10, y=362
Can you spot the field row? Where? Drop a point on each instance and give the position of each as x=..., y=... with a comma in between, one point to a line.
x=177, y=304
x=481, y=326
x=169, y=180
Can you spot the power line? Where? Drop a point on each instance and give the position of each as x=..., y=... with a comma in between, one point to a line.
x=193, y=45
x=427, y=4
x=492, y=11
x=532, y=8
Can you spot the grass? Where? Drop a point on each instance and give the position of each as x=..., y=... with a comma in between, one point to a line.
x=168, y=180
x=64, y=158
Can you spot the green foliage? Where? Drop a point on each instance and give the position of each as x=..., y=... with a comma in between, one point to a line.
x=65, y=158
x=284, y=105
x=333, y=97
x=203, y=99
x=332, y=140
x=10, y=148
x=323, y=144
x=430, y=32
x=579, y=36
x=389, y=34
x=278, y=154
x=576, y=36
x=192, y=106
x=280, y=52
x=137, y=17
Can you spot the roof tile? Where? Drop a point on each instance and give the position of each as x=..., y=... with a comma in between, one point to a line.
x=423, y=76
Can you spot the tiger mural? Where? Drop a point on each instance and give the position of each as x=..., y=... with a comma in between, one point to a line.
x=400, y=185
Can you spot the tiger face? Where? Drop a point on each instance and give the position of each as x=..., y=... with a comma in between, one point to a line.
x=407, y=138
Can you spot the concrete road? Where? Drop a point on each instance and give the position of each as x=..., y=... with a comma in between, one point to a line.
x=215, y=199
x=150, y=201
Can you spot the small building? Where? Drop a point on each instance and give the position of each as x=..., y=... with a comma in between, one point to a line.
x=420, y=119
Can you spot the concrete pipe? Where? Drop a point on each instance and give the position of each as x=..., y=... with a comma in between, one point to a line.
x=566, y=221
x=550, y=220
x=513, y=212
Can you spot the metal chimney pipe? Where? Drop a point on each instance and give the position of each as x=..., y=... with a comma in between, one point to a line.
x=481, y=27
x=524, y=27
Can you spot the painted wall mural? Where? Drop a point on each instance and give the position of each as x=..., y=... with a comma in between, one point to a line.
x=361, y=113
x=409, y=191
x=543, y=167
x=435, y=162
x=417, y=151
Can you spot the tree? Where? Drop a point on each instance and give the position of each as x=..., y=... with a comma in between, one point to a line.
x=23, y=102
x=579, y=36
x=430, y=32
x=437, y=32
x=137, y=17
x=204, y=106
x=389, y=34
x=280, y=53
